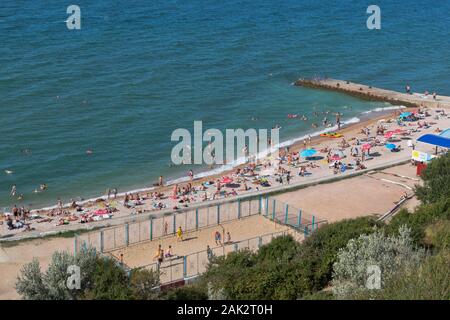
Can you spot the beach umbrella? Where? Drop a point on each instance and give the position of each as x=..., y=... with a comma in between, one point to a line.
x=308, y=153
x=226, y=180
x=366, y=146
x=405, y=114
x=389, y=134
x=339, y=153
x=390, y=146
x=335, y=157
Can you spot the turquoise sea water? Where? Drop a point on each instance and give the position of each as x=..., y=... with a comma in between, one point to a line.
x=139, y=69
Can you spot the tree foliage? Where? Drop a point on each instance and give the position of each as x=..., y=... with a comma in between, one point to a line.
x=110, y=282
x=34, y=284
x=144, y=284
x=427, y=281
x=423, y=216
x=436, y=180
x=388, y=253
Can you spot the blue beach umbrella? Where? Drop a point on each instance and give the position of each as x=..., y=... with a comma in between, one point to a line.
x=308, y=153
x=390, y=146
x=405, y=114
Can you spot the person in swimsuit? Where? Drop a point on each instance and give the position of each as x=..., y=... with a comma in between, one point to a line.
x=218, y=238
x=179, y=234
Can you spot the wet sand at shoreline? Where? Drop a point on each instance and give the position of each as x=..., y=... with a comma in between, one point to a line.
x=350, y=133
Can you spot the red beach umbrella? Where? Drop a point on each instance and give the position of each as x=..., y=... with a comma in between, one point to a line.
x=335, y=157
x=389, y=134
x=226, y=180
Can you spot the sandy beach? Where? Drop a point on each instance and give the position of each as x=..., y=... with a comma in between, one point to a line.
x=103, y=212
x=374, y=192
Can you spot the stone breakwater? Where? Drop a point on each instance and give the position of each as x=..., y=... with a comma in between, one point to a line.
x=412, y=100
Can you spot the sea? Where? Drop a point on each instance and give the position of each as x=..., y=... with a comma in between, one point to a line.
x=85, y=110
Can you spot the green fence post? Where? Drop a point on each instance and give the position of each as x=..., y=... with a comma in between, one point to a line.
x=184, y=267
x=218, y=214
x=267, y=206
x=239, y=208
x=127, y=239
x=174, y=223
x=75, y=245
x=236, y=247
x=196, y=219
x=260, y=205
x=313, y=218
x=101, y=241
x=306, y=231
x=286, y=214
x=151, y=228
x=299, y=218
x=259, y=242
x=273, y=209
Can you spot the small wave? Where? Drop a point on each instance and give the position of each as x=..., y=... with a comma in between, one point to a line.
x=384, y=109
x=220, y=169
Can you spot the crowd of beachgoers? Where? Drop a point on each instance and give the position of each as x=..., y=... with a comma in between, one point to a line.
x=332, y=154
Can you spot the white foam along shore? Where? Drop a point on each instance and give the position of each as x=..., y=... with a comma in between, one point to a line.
x=237, y=162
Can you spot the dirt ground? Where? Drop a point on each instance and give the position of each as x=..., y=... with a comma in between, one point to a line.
x=370, y=194
x=12, y=258
x=243, y=229
x=374, y=193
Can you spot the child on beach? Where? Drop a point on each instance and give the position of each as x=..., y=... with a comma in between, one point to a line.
x=228, y=238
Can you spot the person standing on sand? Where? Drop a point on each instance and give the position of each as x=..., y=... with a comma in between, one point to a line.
x=161, y=181
x=60, y=205
x=159, y=255
x=179, y=234
x=228, y=238
x=218, y=238
x=166, y=228
x=209, y=253
x=191, y=175
x=115, y=193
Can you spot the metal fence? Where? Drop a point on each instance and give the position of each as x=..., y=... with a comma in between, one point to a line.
x=157, y=227
x=189, y=266
x=283, y=213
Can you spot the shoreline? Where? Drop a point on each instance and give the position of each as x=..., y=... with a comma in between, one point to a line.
x=318, y=174
x=366, y=118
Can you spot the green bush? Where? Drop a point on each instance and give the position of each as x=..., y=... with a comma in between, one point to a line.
x=272, y=273
x=144, y=284
x=437, y=235
x=388, y=253
x=284, y=268
x=428, y=281
x=319, y=251
x=436, y=180
x=34, y=284
x=188, y=292
x=424, y=215
x=110, y=282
